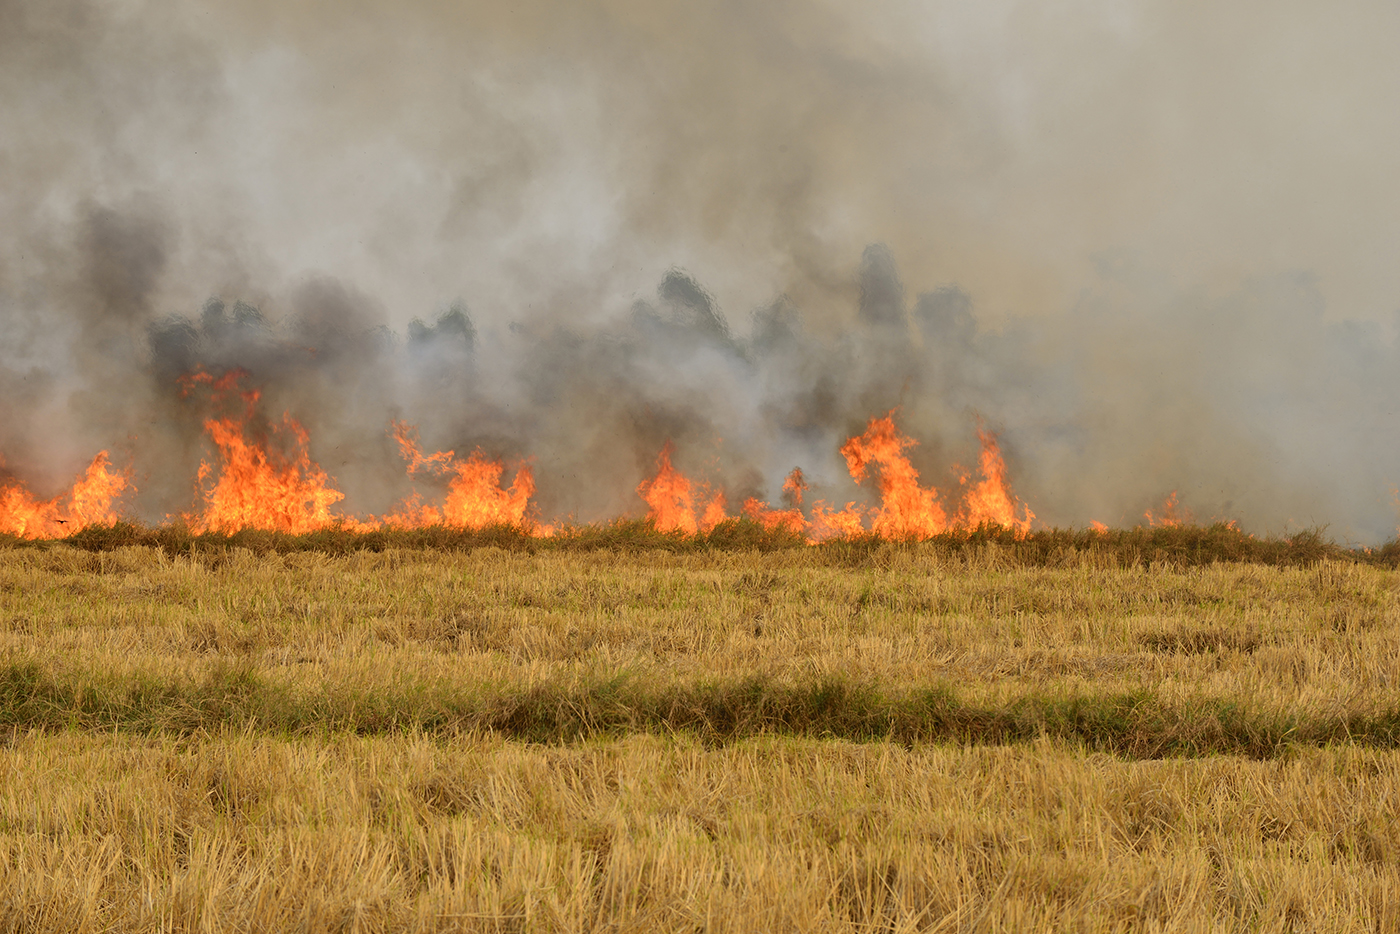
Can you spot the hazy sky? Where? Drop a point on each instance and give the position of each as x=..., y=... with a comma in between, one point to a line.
x=1175, y=222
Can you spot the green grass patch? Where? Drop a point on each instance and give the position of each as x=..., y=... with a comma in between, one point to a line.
x=1134, y=724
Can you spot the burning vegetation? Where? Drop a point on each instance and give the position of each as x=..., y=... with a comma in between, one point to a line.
x=90, y=501
x=263, y=477
x=280, y=426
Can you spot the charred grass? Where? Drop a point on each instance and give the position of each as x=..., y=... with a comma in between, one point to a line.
x=648, y=733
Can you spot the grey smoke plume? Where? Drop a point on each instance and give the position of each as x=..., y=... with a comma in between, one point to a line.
x=1148, y=243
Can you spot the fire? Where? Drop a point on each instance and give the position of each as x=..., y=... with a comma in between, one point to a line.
x=475, y=498
x=909, y=510
x=263, y=477
x=257, y=487
x=990, y=502
x=714, y=512
x=88, y=502
x=268, y=481
x=1169, y=514
x=837, y=523
x=670, y=497
x=791, y=518
x=794, y=486
x=1097, y=526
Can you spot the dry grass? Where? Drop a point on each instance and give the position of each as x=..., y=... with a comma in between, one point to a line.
x=1282, y=638
x=182, y=754
x=238, y=833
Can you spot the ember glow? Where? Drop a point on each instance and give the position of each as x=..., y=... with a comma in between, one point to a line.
x=263, y=477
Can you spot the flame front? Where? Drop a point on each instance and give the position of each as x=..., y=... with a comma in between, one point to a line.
x=670, y=497
x=264, y=478
x=1169, y=514
x=907, y=510
x=88, y=502
x=910, y=510
x=990, y=502
x=475, y=498
x=260, y=489
x=256, y=487
x=790, y=519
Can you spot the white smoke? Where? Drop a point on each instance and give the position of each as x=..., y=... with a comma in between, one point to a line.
x=1146, y=241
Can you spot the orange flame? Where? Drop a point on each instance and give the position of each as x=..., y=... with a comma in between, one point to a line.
x=837, y=523
x=475, y=498
x=1097, y=526
x=261, y=489
x=88, y=502
x=907, y=510
x=790, y=519
x=1169, y=514
x=715, y=512
x=794, y=486
x=263, y=478
x=670, y=497
x=256, y=487
x=990, y=502
x=671, y=507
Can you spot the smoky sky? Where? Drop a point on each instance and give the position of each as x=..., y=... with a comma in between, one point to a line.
x=1150, y=244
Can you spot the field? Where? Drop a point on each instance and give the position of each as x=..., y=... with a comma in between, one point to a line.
x=1182, y=730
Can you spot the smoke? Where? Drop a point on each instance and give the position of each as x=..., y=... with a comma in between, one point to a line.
x=1145, y=242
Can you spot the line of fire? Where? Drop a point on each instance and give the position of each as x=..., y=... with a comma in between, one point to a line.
x=252, y=483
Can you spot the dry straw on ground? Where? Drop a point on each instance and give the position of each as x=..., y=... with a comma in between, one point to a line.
x=648, y=739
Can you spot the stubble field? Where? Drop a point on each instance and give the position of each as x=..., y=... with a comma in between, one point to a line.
x=254, y=736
